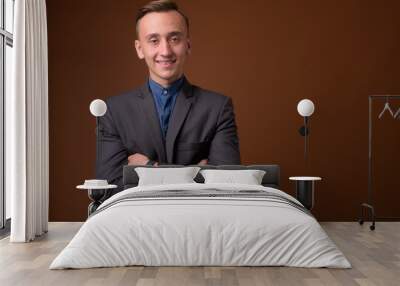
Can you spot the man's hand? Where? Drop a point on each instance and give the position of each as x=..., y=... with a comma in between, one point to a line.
x=203, y=162
x=138, y=159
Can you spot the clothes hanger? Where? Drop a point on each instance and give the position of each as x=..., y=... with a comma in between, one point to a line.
x=397, y=114
x=387, y=107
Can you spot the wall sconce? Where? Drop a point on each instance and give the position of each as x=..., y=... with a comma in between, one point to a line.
x=305, y=108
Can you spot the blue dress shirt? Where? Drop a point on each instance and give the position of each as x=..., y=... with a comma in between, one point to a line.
x=165, y=99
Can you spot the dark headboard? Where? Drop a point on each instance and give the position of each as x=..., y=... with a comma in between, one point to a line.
x=270, y=179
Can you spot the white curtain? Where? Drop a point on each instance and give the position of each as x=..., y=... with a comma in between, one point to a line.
x=27, y=143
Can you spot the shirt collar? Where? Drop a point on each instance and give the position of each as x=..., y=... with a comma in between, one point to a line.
x=172, y=89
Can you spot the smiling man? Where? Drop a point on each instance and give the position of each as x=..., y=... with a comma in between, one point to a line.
x=167, y=120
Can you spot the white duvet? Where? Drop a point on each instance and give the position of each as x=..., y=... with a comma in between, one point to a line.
x=200, y=231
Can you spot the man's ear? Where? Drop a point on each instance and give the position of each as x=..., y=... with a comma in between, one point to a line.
x=139, y=51
x=189, y=47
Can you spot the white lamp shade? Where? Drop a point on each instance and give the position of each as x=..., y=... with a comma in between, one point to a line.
x=305, y=107
x=98, y=107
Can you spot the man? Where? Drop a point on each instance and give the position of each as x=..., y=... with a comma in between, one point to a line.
x=167, y=120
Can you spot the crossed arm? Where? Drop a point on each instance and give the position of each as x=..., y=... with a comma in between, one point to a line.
x=140, y=159
x=224, y=146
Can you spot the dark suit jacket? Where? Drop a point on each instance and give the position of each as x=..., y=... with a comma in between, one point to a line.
x=202, y=126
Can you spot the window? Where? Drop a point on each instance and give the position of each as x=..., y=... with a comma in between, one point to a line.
x=6, y=57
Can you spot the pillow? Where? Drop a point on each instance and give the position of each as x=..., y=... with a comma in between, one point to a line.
x=248, y=177
x=162, y=176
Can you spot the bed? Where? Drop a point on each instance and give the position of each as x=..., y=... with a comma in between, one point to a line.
x=201, y=224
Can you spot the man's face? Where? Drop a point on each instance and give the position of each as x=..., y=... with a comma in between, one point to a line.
x=164, y=44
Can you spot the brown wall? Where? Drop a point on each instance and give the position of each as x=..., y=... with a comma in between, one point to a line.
x=266, y=55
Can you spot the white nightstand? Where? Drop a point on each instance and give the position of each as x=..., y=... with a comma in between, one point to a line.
x=96, y=195
x=305, y=190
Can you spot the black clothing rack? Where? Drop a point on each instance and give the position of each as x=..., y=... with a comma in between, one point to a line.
x=369, y=204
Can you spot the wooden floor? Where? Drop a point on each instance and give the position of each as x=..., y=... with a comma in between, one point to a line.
x=375, y=257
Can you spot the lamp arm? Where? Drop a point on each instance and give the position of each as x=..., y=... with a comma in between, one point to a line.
x=98, y=145
x=306, y=143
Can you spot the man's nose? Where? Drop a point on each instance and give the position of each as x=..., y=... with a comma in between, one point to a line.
x=165, y=48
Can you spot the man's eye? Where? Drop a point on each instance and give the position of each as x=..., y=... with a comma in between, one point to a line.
x=154, y=41
x=174, y=39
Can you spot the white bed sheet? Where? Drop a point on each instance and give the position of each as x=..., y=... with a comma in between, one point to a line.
x=200, y=231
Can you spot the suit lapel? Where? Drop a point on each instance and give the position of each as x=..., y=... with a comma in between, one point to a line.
x=150, y=113
x=181, y=109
